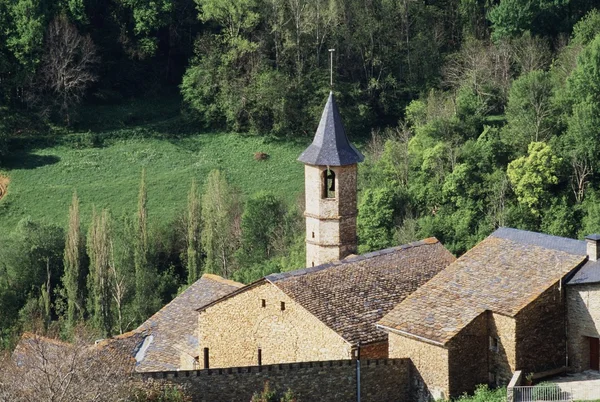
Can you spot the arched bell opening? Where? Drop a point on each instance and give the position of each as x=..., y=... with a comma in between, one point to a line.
x=328, y=184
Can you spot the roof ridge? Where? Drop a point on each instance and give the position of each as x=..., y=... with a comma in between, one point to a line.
x=275, y=277
x=220, y=279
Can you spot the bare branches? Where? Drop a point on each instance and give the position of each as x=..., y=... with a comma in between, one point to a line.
x=582, y=172
x=44, y=369
x=66, y=69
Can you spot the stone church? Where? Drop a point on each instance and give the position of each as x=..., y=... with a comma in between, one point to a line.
x=518, y=300
x=328, y=310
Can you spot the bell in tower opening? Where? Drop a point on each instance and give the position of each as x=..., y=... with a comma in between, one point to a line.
x=328, y=184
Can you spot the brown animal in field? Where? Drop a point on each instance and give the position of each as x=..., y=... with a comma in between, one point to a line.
x=261, y=156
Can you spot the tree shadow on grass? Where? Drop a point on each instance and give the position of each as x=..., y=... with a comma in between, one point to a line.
x=25, y=160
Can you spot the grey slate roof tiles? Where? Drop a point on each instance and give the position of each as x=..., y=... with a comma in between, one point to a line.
x=330, y=146
x=351, y=295
x=503, y=274
x=173, y=328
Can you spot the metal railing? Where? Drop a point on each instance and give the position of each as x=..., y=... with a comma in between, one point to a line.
x=546, y=393
x=554, y=393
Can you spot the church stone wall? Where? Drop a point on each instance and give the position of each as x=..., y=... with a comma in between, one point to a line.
x=503, y=359
x=329, y=381
x=583, y=307
x=431, y=366
x=236, y=328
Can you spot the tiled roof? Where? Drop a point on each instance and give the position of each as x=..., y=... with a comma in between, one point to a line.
x=33, y=346
x=351, y=295
x=504, y=273
x=330, y=146
x=588, y=273
x=172, y=330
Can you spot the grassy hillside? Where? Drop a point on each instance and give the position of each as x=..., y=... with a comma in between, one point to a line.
x=42, y=179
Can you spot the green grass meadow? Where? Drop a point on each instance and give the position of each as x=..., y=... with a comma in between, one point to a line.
x=43, y=178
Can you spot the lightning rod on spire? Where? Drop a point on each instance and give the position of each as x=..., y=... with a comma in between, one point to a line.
x=331, y=67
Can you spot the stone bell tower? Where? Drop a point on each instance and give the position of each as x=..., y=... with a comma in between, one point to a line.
x=330, y=184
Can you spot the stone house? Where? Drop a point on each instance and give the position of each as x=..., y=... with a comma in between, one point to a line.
x=583, y=306
x=318, y=313
x=168, y=340
x=498, y=308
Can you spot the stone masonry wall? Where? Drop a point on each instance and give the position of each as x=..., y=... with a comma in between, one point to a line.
x=468, y=357
x=431, y=370
x=331, y=381
x=583, y=312
x=541, y=332
x=502, y=362
x=330, y=222
x=234, y=329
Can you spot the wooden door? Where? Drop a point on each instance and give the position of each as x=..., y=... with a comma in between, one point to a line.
x=594, y=353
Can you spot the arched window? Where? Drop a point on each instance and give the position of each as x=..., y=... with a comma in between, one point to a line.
x=328, y=181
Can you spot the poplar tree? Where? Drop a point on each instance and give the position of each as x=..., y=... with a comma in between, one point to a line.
x=146, y=301
x=71, y=279
x=193, y=234
x=98, y=245
x=218, y=224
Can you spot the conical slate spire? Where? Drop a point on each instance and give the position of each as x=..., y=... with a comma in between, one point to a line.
x=331, y=146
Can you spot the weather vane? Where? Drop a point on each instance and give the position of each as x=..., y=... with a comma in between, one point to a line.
x=331, y=67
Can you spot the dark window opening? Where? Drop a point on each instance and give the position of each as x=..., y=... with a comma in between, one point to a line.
x=282, y=306
x=313, y=235
x=206, y=364
x=494, y=344
x=259, y=356
x=263, y=303
x=328, y=184
x=313, y=263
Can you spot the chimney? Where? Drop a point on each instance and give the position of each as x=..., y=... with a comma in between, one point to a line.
x=593, y=246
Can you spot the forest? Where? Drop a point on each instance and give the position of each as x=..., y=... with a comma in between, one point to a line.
x=472, y=114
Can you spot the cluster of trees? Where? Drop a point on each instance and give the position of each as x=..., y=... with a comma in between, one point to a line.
x=120, y=271
x=457, y=169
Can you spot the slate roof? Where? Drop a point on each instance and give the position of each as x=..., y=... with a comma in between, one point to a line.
x=331, y=147
x=32, y=347
x=504, y=273
x=589, y=273
x=351, y=295
x=172, y=330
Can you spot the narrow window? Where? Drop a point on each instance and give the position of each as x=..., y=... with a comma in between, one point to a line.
x=263, y=303
x=259, y=356
x=206, y=363
x=282, y=306
x=328, y=180
x=313, y=235
x=313, y=263
x=494, y=344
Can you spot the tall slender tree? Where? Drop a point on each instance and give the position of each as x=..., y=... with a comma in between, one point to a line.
x=193, y=234
x=218, y=224
x=71, y=279
x=146, y=300
x=98, y=245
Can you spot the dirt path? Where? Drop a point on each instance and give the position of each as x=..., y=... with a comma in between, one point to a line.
x=3, y=185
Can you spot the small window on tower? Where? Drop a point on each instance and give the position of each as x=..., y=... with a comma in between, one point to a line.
x=328, y=184
x=263, y=303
